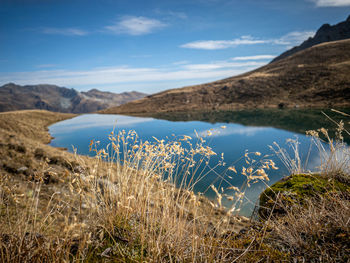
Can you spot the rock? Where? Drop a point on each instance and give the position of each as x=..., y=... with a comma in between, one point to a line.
x=106, y=252
x=295, y=190
x=78, y=169
x=22, y=169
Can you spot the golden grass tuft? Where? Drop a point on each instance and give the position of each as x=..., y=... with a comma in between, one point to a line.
x=150, y=186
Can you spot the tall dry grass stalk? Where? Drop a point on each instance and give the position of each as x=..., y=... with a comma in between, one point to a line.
x=145, y=200
x=334, y=153
x=134, y=202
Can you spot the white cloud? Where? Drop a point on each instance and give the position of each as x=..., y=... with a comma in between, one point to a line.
x=46, y=66
x=133, y=25
x=115, y=75
x=181, y=62
x=180, y=15
x=96, y=121
x=222, y=44
x=223, y=64
x=169, y=13
x=290, y=39
x=141, y=56
x=258, y=57
x=137, y=78
x=294, y=38
x=324, y=3
x=247, y=131
x=64, y=31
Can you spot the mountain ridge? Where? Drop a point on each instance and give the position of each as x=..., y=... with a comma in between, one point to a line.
x=326, y=33
x=60, y=99
x=315, y=77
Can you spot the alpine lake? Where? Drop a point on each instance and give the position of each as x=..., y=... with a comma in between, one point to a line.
x=232, y=133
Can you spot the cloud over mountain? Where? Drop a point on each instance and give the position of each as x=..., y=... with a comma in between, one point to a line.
x=135, y=25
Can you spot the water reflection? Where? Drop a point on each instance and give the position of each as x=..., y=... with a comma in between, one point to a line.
x=294, y=120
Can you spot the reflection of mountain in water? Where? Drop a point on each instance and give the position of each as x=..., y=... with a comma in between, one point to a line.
x=293, y=120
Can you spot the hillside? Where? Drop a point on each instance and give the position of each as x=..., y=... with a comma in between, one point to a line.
x=60, y=99
x=315, y=77
x=325, y=33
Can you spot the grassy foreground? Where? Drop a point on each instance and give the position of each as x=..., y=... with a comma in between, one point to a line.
x=60, y=207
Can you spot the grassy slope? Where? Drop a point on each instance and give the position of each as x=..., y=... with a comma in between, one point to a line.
x=30, y=124
x=23, y=139
x=315, y=77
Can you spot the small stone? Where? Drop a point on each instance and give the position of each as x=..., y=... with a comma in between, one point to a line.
x=106, y=252
x=22, y=169
x=78, y=169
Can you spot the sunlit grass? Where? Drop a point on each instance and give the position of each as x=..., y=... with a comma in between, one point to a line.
x=152, y=183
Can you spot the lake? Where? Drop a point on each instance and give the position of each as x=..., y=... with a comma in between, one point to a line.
x=245, y=130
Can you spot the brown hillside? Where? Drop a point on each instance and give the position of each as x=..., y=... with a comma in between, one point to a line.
x=315, y=77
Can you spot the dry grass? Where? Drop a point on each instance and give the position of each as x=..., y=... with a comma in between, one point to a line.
x=319, y=231
x=34, y=212
x=312, y=220
x=148, y=190
x=134, y=202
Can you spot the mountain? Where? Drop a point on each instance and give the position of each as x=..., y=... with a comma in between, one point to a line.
x=59, y=99
x=314, y=77
x=325, y=33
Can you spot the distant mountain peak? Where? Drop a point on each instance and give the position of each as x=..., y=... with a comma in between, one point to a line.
x=94, y=90
x=61, y=99
x=325, y=33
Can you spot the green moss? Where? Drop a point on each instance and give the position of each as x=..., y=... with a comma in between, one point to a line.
x=296, y=189
x=121, y=244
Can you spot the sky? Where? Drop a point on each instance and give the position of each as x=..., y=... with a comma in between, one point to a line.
x=150, y=45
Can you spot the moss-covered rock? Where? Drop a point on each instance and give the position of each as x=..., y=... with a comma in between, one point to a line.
x=295, y=189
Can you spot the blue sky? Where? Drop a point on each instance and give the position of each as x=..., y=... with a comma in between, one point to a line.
x=150, y=46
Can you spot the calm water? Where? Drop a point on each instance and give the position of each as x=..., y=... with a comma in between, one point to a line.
x=232, y=141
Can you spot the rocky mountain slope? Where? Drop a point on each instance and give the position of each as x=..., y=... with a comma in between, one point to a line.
x=59, y=99
x=314, y=77
x=325, y=33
